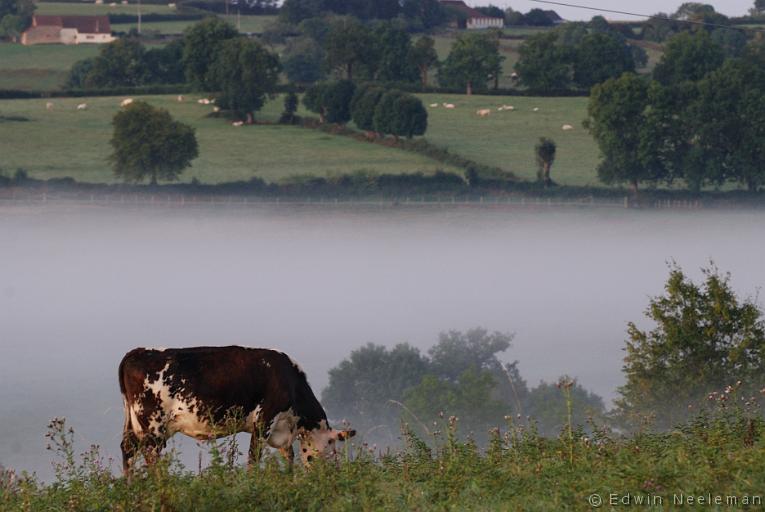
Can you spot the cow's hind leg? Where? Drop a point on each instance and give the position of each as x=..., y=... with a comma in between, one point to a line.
x=152, y=446
x=289, y=454
x=256, y=450
x=129, y=446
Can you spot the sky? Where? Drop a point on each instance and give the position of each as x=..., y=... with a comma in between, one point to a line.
x=728, y=7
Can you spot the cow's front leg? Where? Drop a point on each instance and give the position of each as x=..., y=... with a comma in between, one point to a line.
x=129, y=446
x=256, y=450
x=288, y=454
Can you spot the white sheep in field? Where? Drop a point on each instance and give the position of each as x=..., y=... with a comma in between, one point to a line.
x=180, y=98
x=203, y=101
x=216, y=109
x=126, y=102
x=567, y=127
x=449, y=105
x=484, y=112
x=49, y=106
x=434, y=105
x=82, y=106
x=505, y=107
x=536, y=109
x=237, y=123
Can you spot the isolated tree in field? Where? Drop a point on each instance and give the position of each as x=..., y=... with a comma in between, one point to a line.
x=473, y=60
x=363, y=106
x=148, y=143
x=688, y=57
x=244, y=73
x=423, y=55
x=545, y=153
x=704, y=339
x=201, y=43
x=544, y=64
x=349, y=46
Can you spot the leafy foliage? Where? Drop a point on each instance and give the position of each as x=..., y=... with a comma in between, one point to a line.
x=245, y=73
x=148, y=143
x=400, y=114
x=331, y=100
x=201, y=43
x=543, y=63
x=688, y=57
x=473, y=60
x=363, y=106
x=349, y=46
x=704, y=339
x=303, y=60
x=423, y=55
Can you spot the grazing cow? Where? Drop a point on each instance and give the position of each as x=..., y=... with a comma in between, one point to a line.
x=484, y=112
x=126, y=102
x=197, y=390
x=449, y=105
x=82, y=106
x=203, y=101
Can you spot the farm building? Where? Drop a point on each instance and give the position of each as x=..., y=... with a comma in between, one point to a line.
x=68, y=30
x=471, y=18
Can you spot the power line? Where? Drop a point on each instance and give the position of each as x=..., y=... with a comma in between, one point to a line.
x=648, y=16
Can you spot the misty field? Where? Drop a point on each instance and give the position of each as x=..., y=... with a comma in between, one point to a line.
x=67, y=142
x=77, y=142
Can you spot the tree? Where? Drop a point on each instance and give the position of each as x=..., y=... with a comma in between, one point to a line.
x=331, y=100
x=165, y=64
x=547, y=407
x=148, y=142
x=362, y=386
x=244, y=73
x=201, y=43
x=759, y=6
x=15, y=17
x=394, y=49
x=349, y=45
x=291, y=103
x=423, y=55
x=538, y=18
x=704, y=339
x=303, y=60
x=688, y=57
x=295, y=11
x=545, y=153
x=427, y=14
x=363, y=105
x=544, y=65
x=118, y=64
x=400, y=114
x=616, y=115
x=601, y=56
x=473, y=60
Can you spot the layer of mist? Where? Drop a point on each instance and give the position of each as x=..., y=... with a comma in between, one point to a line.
x=81, y=285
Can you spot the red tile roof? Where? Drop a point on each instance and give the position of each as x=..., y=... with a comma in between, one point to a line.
x=83, y=24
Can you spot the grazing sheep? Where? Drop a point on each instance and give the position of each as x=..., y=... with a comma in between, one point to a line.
x=567, y=127
x=536, y=109
x=449, y=105
x=484, y=112
x=434, y=105
x=505, y=107
x=216, y=109
x=49, y=106
x=180, y=98
x=203, y=101
x=126, y=102
x=82, y=106
x=237, y=123
x=514, y=75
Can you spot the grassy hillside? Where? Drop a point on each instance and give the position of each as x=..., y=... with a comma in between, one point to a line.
x=507, y=139
x=67, y=142
x=92, y=9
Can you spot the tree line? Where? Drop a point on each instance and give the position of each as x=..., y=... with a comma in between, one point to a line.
x=698, y=120
x=706, y=347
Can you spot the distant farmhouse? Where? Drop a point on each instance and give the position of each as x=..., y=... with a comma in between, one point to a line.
x=68, y=30
x=471, y=18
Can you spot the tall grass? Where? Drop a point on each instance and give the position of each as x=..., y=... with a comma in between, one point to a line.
x=720, y=453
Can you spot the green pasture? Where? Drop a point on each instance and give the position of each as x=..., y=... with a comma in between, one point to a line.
x=39, y=67
x=92, y=9
x=246, y=24
x=507, y=139
x=68, y=142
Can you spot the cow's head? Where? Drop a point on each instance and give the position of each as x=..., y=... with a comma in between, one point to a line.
x=321, y=442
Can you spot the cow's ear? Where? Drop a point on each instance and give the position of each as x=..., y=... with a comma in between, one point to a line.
x=342, y=435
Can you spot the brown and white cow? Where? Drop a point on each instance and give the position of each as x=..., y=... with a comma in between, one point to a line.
x=196, y=390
